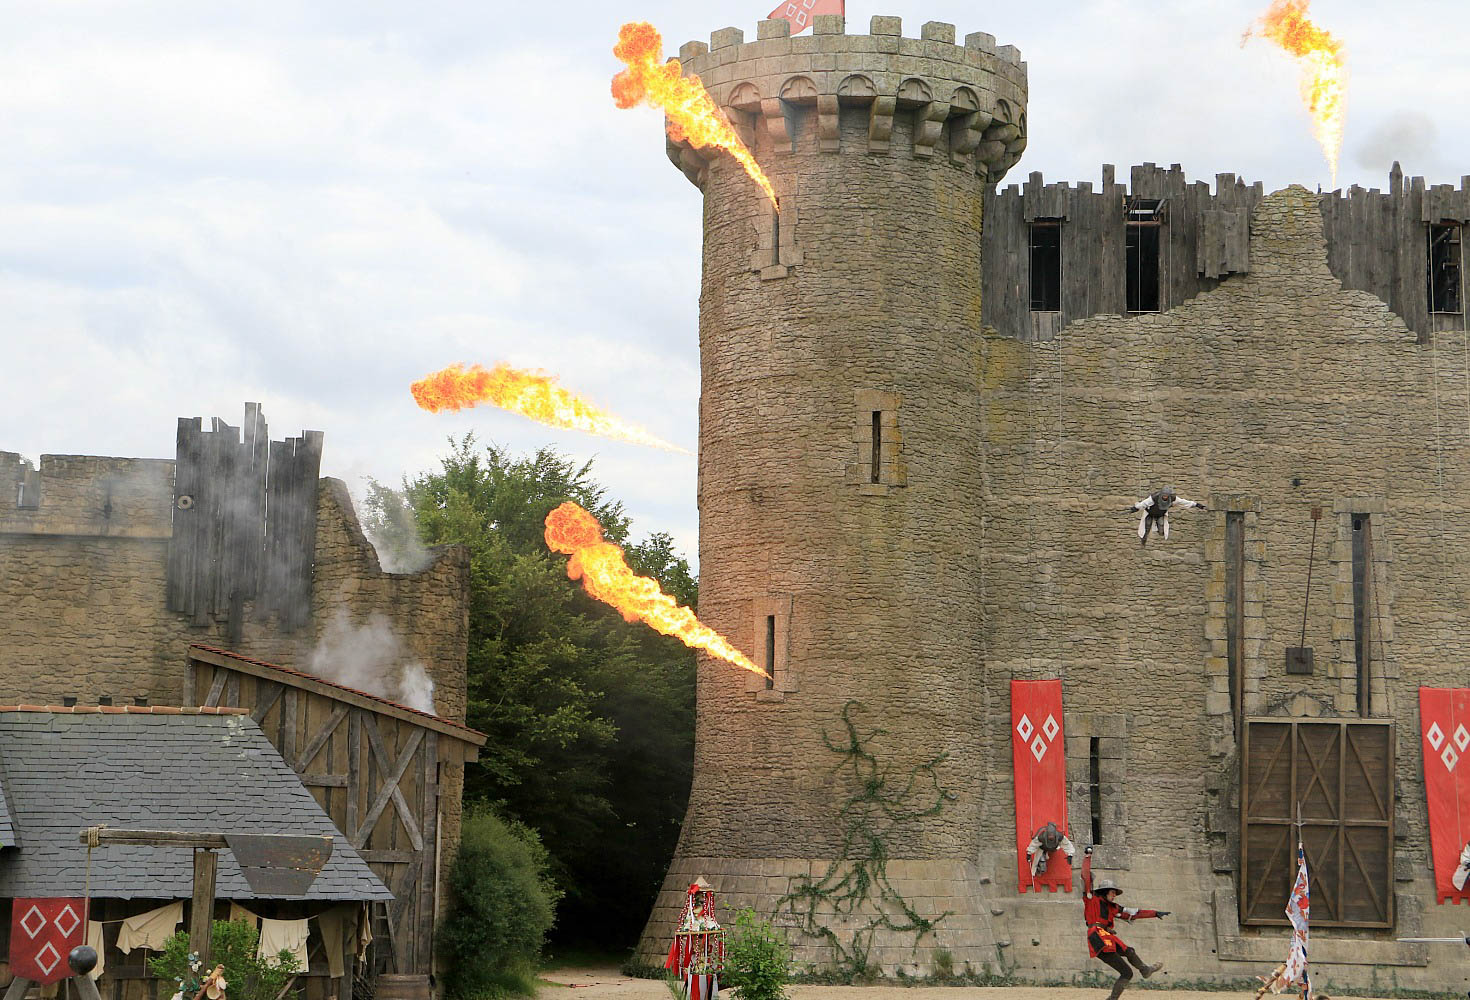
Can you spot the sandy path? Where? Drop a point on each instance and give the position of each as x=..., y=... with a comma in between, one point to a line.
x=592, y=984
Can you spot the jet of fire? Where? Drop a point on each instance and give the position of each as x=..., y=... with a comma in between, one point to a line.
x=1324, y=69
x=693, y=115
x=599, y=564
x=531, y=394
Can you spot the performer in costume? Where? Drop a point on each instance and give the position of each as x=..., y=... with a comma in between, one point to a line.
x=1462, y=873
x=1047, y=840
x=1156, y=508
x=1099, y=909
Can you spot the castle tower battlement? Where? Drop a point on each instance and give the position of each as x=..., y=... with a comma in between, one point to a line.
x=840, y=490
x=961, y=104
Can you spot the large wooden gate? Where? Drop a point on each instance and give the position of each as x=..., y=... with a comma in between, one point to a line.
x=374, y=767
x=1340, y=774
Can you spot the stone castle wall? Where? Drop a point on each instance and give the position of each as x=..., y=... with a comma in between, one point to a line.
x=1273, y=393
x=82, y=594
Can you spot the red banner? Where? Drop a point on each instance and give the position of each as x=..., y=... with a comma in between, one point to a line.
x=801, y=12
x=1444, y=737
x=42, y=933
x=1038, y=752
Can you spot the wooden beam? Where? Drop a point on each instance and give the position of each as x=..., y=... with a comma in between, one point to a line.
x=339, y=712
x=393, y=772
x=201, y=915
x=337, y=693
x=155, y=838
x=18, y=987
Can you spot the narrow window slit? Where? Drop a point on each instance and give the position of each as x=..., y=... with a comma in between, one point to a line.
x=1143, y=245
x=1235, y=610
x=877, y=464
x=770, y=652
x=776, y=233
x=1362, y=611
x=1094, y=783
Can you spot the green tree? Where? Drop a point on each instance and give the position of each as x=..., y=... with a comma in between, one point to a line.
x=590, y=719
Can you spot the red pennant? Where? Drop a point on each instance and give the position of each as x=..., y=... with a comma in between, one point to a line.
x=801, y=12
x=42, y=933
x=1444, y=737
x=1038, y=750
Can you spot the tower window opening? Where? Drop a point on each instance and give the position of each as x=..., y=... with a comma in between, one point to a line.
x=1235, y=609
x=1094, y=788
x=776, y=233
x=876, y=472
x=1142, y=245
x=1046, y=265
x=1444, y=268
x=770, y=652
x=1362, y=611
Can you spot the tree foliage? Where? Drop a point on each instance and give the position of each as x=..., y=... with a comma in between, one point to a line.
x=501, y=905
x=233, y=944
x=590, y=719
x=757, y=958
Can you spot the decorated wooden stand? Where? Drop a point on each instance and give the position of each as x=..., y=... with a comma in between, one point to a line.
x=697, y=955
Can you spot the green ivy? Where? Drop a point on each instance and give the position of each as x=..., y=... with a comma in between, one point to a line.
x=859, y=873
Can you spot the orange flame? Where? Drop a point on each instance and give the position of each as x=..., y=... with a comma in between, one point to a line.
x=599, y=564
x=693, y=115
x=1324, y=69
x=531, y=394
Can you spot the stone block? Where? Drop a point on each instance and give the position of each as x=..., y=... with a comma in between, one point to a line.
x=881, y=25
x=776, y=27
x=937, y=31
x=725, y=38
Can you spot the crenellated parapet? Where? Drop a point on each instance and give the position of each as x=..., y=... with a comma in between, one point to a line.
x=964, y=104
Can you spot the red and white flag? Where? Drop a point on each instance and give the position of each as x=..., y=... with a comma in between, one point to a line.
x=42, y=933
x=1298, y=909
x=1444, y=738
x=801, y=12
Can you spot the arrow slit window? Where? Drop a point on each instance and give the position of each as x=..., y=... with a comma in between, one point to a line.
x=1363, y=611
x=1145, y=225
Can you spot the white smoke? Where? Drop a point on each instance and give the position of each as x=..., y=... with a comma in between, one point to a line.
x=1410, y=137
x=371, y=658
x=388, y=522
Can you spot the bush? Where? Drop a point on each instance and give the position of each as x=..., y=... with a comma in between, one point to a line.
x=757, y=959
x=233, y=944
x=501, y=905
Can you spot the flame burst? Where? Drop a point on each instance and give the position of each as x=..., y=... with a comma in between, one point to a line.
x=1324, y=69
x=531, y=394
x=693, y=115
x=599, y=564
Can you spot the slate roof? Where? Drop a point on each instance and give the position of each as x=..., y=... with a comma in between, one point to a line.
x=7, y=829
x=200, y=772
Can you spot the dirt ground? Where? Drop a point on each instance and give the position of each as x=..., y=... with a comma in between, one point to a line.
x=577, y=984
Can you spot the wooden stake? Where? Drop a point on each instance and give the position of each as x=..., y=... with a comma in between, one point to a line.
x=201, y=916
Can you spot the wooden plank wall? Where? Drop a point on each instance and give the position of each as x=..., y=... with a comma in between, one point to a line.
x=244, y=521
x=375, y=775
x=1093, y=243
x=1377, y=242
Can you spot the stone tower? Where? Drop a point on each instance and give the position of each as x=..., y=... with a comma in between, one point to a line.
x=840, y=488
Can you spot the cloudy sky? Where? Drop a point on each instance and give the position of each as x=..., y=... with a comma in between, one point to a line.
x=313, y=204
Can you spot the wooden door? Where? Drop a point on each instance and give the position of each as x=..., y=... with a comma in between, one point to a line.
x=1338, y=775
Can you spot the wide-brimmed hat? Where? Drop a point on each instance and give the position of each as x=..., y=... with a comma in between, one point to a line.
x=1104, y=885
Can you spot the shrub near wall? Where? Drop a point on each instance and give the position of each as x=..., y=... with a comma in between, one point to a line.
x=501, y=905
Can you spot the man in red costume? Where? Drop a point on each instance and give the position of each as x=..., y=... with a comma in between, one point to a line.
x=1099, y=909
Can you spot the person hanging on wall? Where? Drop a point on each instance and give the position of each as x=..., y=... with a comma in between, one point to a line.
x=1099, y=910
x=1156, y=508
x=1047, y=841
x=1462, y=873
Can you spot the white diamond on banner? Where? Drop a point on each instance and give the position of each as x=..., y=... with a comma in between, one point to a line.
x=33, y=922
x=1025, y=728
x=1038, y=748
x=1050, y=728
x=48, y=958
x=1450, y=758
x=67, y=920
x=1435, y=736
x=1462, y=738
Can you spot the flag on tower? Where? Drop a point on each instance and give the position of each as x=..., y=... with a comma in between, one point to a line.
x=801, y=12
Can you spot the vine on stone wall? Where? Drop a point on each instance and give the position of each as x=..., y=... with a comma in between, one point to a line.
x=859, y=874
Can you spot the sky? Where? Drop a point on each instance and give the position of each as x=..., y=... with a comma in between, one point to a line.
x=312, y=205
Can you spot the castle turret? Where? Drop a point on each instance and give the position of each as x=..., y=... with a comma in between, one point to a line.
x=840, y=488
